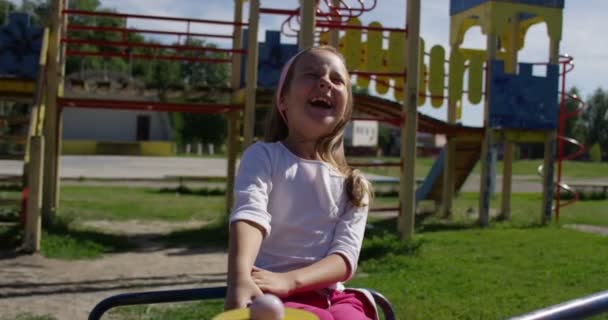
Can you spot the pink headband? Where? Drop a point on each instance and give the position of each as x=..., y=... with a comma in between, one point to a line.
x=284, y=72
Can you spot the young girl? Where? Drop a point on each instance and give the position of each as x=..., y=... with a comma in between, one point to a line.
x=300, y=211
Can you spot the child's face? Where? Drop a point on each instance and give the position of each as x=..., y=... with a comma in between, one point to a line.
x=317, y=96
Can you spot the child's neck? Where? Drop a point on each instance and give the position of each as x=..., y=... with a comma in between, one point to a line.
x=304, y=149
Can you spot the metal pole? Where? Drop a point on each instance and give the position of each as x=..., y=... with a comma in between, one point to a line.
x=408, y=134
x=581, y=308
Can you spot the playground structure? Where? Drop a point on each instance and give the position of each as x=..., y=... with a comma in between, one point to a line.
x=44, y=90
x=518, y=107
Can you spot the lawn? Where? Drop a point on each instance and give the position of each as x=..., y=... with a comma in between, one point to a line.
x=450, y=270
x=570, y=169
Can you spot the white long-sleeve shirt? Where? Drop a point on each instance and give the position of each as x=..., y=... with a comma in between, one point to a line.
x=301, y=205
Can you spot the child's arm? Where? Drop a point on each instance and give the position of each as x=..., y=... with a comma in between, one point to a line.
x=245, y=241
x=250, y=222
x=318, y=275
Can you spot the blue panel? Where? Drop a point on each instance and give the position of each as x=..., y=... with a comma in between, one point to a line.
x=20, y=45
x=457, y=6
x=272, y=56
x=434, y=174
x=523, y=101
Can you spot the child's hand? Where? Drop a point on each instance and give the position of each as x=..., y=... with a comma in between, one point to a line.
x=241, y=293
x=279, y=284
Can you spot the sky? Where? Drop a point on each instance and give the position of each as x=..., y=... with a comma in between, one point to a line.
x=582, y=18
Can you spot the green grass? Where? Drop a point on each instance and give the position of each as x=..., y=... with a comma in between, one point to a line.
x=450, y=270
x=459, y=271
x=570, y=169
x=124, y=203
x=482, y=274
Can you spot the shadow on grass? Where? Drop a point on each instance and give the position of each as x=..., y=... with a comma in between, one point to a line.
x=11, y=238
x=63, y=240
x=209, y=238
x=382, y=239
x=11, y=187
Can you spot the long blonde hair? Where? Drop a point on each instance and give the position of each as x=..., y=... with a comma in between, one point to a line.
x=330, y=147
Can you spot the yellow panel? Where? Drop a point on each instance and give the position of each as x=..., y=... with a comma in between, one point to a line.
x=353, y=46
x=324, y=38
x=459, y=110
x=475, y=79
x=396, y=52
x=456, y=75
x=156, y=148
x=493, y=17
x=398, y=92
x=422, y=86
x=521, y=136
x=363, y=81
x=375, y=54
x=437, y=75
x=17, y=86
x=382, y=85
x=82, y=147
x=422, y=72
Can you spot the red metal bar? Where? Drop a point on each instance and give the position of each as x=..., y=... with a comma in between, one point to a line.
x=145, y=45
x=346, y=26
x=146, y=105
x=144, y=56
x=286, y=12
x=141, y=16
x=135, y=30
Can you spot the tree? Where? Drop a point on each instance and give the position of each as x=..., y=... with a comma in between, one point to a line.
x=6, y=7
x=595, y=120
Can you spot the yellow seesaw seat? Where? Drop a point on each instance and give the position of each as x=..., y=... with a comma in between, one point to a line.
x=243, y=314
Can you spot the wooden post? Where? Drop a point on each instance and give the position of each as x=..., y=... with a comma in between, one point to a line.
x=449, y=164
x=509, y=146
x=550, y=146
x=51, y=119
x=408, y=134
x=334, y=33
x=306, y=36
x=251, y=72
x=31, y=241
x=235, y=83
x=486, y=162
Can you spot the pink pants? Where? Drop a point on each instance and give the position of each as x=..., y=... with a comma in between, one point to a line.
x=334, y=305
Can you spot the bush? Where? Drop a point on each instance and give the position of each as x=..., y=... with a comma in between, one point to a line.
x=595, y=153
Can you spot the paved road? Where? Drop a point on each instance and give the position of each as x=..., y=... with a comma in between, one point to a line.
x=146, y=170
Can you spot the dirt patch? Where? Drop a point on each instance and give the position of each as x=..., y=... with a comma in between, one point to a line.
x=588, y=228
x=69, y=289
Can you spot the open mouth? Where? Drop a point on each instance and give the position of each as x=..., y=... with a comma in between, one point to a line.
x=321, y=102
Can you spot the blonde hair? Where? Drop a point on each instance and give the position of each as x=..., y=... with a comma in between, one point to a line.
x=330, y=147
